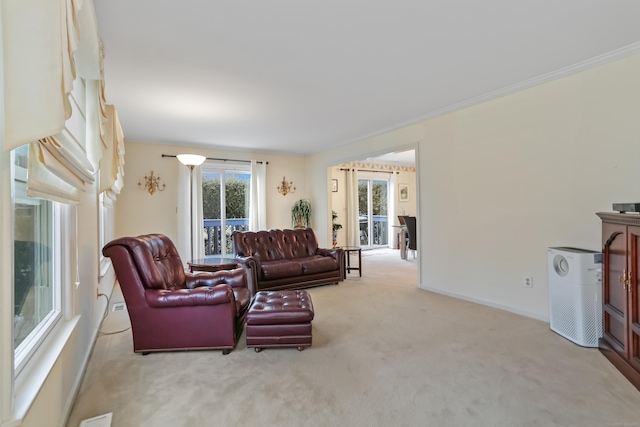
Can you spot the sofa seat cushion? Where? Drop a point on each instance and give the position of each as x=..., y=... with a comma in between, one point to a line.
x=278, y=269
x=318, y=264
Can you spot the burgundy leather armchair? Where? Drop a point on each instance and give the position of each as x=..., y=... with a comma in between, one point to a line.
x=171, y=309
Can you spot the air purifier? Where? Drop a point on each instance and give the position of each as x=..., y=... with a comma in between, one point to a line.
x=575, y=294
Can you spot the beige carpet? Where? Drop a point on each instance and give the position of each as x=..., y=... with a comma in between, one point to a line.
x=384, y=354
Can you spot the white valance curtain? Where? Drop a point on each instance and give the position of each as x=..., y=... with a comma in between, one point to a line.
x=51, y=161
x=42, y=183
x=258, y=196
x=50, y=49
x=32, y=54
x=112, y=162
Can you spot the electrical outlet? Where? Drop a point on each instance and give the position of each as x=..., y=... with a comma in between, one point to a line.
x=528, y=282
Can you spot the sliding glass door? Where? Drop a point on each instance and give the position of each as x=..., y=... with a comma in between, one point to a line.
x=225, y=207
x=373, y=196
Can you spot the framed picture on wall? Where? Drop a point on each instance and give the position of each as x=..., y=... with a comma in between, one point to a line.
x=403, y=192
x=334, y=185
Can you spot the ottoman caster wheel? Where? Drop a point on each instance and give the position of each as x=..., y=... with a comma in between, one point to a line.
x=225, y=352
x=257, y=350
x=300, y=348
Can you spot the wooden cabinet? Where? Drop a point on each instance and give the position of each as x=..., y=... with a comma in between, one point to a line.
x=620, y=342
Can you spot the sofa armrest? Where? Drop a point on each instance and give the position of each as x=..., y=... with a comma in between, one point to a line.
x=336, y=253
x=252, y=266
x=236, y=278
x=163, y=298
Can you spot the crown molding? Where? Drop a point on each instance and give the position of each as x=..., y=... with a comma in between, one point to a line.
x=596, y=61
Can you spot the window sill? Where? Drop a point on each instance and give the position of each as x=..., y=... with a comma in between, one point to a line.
x=34, y=375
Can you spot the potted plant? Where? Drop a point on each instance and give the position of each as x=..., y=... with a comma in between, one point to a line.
x=335, y=227
x=301, y=213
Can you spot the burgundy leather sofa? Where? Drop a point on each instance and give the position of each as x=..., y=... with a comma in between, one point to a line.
x=171, y=309
x=287, y=259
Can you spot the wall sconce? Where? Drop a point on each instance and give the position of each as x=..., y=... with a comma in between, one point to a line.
x=151, y=184
x=286, y=187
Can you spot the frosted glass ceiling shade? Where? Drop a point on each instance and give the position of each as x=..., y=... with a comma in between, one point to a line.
x=191, y=159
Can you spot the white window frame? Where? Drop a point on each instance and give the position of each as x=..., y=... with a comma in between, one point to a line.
x=27, y=349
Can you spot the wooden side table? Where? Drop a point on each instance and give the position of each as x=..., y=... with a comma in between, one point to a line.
x=347, y=255
x=212, y=264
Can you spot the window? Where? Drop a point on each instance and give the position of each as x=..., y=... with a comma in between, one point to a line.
x=226, y=187
x=37, y=272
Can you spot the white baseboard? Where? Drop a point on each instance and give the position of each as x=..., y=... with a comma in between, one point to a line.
x=518, y=311
x=77, y=382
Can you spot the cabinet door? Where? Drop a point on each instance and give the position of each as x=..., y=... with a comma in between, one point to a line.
x=634, y=296
x=615, y=330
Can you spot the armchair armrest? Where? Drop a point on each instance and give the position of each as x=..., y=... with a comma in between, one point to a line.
x=163, y=298
x=252, y=266
x=235, y=278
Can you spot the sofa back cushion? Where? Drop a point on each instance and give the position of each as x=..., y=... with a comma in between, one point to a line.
x=156, y=259
x=275, y=244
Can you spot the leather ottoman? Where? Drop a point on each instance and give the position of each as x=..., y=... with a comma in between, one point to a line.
x=280, y=319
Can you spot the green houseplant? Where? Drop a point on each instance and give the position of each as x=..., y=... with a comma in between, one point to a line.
x=335, y=227
x=301, y=213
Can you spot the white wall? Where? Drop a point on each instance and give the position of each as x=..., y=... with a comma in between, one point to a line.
x=406, y=207
x=500, y=182
x=138, y=212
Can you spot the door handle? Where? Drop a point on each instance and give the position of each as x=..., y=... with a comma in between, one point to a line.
x=624, y=279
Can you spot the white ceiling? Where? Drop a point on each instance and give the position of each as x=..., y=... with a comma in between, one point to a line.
x=299, y=77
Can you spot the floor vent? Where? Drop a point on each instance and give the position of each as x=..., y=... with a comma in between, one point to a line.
x=118, y=306
x=99, y=421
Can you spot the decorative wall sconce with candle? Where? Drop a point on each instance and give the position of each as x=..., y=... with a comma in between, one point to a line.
x=151, y=184
x=286, y=187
